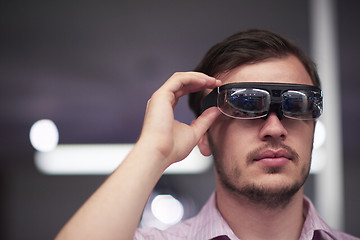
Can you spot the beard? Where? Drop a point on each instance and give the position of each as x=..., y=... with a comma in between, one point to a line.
x=261, y=195
x=255, y=193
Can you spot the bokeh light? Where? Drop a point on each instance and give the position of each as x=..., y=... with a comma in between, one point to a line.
x=44, y=135
x=167, y=209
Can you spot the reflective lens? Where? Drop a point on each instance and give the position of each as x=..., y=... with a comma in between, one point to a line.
x=247, y=100
x=244, y=103
x=303, y=105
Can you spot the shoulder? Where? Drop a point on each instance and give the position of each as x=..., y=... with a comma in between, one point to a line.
x=334, y=235
x=316, y=228
x=204, y=225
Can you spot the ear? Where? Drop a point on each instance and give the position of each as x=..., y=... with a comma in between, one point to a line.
x=204, y=146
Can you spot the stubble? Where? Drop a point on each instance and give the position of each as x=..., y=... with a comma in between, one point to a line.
x=255, y=193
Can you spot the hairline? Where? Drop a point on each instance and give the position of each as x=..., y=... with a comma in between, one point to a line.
x=228, y=71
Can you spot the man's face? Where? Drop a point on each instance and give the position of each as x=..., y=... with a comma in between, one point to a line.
x=262, y=158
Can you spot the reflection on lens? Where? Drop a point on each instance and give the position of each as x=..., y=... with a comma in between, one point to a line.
x=301, y=105
x=295, y=102
x=244, y=103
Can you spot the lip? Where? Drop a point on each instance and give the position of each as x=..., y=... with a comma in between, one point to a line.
x=273, y=158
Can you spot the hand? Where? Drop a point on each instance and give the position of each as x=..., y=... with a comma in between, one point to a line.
x=115, y=209
x=171, y=140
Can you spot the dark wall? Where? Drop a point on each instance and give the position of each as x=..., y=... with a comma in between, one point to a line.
x=91, y=66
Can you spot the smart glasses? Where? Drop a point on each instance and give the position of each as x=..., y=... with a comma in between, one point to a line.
x=247, y=100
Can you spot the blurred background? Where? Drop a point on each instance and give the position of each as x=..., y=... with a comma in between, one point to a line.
x=90, y=66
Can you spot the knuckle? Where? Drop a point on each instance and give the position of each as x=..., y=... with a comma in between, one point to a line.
x=177, y=74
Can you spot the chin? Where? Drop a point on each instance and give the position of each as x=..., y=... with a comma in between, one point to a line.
x=273, y=186
x=273, y=194
x=269, y=191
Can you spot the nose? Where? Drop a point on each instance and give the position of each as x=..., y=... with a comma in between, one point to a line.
x=272, y=128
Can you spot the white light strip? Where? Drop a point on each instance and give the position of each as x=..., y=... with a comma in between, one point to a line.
x=318, y=161
x=329, y=191
x=102, y=159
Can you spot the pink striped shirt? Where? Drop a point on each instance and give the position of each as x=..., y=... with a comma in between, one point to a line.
x=209, y=224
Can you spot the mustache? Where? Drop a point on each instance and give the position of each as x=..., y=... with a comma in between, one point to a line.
x=272, y=144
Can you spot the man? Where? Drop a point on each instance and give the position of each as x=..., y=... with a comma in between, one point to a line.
x=258, y=124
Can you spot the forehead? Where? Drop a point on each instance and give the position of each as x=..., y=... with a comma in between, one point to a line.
x=274, y=70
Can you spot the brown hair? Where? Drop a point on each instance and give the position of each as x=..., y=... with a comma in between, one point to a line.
x=248, y=47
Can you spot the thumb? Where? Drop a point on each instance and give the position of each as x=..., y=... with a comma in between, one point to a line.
x=204, y=121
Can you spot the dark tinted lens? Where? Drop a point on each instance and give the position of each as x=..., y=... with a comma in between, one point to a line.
x=303, y=105
x=244, y=103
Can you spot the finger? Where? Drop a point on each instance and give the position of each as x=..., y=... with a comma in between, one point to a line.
x=183, y=83
x=204, y=121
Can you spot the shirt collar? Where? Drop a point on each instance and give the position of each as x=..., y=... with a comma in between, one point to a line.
x=210, y=223
x=313, y=221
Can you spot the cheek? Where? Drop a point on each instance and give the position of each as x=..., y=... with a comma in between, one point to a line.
x=230, y=134
x=231, y=140
x=302, y=138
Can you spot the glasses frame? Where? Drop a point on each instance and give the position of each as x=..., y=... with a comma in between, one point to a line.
x=274, y=89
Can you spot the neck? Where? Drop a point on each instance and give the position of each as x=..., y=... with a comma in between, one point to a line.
x=253, y=221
